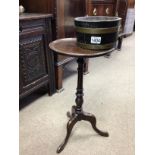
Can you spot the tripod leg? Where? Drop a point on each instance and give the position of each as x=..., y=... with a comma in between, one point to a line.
x=72, y=113
x=70, y=125
x=91, y=118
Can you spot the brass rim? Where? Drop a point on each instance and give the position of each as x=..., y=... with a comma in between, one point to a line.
x=96, y=30
x=96, y=47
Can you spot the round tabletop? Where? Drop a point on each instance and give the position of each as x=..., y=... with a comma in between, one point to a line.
x=68, y=46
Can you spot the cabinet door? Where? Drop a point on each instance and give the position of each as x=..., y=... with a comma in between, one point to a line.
x=33, y=67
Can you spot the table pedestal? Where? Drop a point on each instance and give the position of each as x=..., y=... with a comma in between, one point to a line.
x=77, y=113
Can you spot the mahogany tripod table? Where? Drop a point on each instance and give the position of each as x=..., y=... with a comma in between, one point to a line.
x=68, y=47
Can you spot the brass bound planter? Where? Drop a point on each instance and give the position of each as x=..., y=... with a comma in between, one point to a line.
x=97, y=32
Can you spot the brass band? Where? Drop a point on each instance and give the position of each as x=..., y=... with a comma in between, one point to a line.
x=96, y=47
x=96, y=30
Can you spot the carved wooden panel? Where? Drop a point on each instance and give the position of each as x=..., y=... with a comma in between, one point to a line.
x=32, y=58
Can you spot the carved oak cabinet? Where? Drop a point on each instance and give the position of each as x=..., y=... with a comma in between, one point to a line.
x=63, y=12
x=35, y=61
